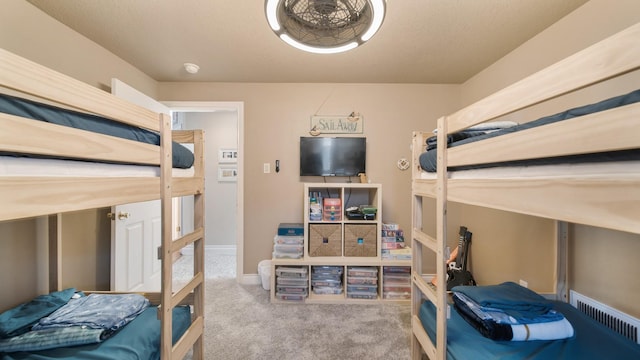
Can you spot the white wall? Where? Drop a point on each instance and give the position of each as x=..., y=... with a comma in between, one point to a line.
x=221, y=132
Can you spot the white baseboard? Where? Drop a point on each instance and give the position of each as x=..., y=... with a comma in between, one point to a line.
x=214, y=249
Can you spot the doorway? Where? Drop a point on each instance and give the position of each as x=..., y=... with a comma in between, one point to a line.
x=220, y=183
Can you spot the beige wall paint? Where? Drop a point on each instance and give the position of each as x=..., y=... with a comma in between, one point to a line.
x=604, y=265
x=17, y=257
x=86, y=249
x=276, y=115
x=590, y=23
x=28, y=32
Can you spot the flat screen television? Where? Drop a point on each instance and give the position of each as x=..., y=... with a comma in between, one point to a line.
x=332, y=156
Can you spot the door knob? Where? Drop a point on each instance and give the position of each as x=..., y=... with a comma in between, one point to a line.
x=121, y=215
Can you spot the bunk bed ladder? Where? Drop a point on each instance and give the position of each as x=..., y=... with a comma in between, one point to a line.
x=420, y=287
x=193, y=337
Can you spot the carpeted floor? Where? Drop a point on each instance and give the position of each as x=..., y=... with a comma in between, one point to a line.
x=241, y=323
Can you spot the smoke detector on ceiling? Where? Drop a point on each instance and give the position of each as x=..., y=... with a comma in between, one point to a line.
x=191, y=68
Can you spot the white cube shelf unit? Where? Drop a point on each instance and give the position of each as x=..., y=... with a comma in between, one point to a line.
x=337, y=241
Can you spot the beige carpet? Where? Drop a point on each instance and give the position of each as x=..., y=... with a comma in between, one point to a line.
x=241, y=323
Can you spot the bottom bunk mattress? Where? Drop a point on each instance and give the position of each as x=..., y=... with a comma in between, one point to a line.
x=140, y=339
x=592, y=340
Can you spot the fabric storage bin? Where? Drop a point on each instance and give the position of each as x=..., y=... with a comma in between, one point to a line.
x=325, y=240
x=360, y=240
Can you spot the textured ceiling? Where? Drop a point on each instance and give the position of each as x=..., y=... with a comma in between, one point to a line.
x=421, y=41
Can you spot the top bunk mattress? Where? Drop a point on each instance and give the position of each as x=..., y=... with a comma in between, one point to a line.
x=182, y=157
x=428, y=159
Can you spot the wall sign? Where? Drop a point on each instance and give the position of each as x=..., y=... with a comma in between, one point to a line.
x=352, y=124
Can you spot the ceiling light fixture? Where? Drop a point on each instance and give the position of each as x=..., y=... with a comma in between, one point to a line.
x=325, y=26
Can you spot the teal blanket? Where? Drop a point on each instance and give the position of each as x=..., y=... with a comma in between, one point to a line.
x=19, y=319
x=514, y=300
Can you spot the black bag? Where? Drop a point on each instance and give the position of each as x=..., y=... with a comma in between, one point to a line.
x=461, y=276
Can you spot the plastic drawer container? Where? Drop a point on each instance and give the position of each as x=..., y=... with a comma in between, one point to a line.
x=288, y=281
x=327, y=290
x=326, y=277
x=393, y=295
x=327, y=270
x=397, y=270
x=362, y=289
x=286, y=271
x=361, y=280
x=326, y=283
x=396, y=280
x=287, y=248
x=288, y=240
x=292, y=289
x=401, y=289
x=291, y=297
x=279, y=255
x=362, y=295
x=363, y=271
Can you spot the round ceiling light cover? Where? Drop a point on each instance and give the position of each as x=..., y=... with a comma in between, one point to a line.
x=325, y=26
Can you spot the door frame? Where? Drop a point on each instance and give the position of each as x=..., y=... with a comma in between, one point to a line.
x=238, y=108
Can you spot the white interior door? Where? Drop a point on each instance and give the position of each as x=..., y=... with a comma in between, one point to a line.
x=136, y=236
x=136, y=228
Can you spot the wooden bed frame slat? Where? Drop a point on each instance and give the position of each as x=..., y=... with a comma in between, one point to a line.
x=616, y=55
x=599, y=132
x=24, y=197
x=609, y=201
x=28, y=77
x=61, y=141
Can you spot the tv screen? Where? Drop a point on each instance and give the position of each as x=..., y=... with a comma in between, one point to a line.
x=332, y=156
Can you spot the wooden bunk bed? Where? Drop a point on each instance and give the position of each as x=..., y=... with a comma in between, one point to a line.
x=598, y=195
x=39, y=193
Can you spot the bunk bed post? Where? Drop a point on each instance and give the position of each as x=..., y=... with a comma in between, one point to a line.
x=166, y=343
x=416, y=266
x=441, y=236
x=198, y=245
x=562, y=253
x=55, y=252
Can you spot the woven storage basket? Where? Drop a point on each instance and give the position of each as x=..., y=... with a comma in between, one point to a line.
x=360, y=240
x=325, y=240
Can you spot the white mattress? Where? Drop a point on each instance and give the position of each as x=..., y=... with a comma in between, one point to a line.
x=546, y=171
x=17, y=166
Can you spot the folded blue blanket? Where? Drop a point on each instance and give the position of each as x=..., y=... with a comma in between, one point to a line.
x=52, y=338
x=494, y=329
x=97, y=311
x=19, y=319
x=524, y=305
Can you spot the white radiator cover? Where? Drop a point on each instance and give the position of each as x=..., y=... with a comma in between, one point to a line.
x=624, y=324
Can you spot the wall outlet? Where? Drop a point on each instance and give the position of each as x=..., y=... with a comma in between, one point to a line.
x=524, y=283
x=266, y=168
